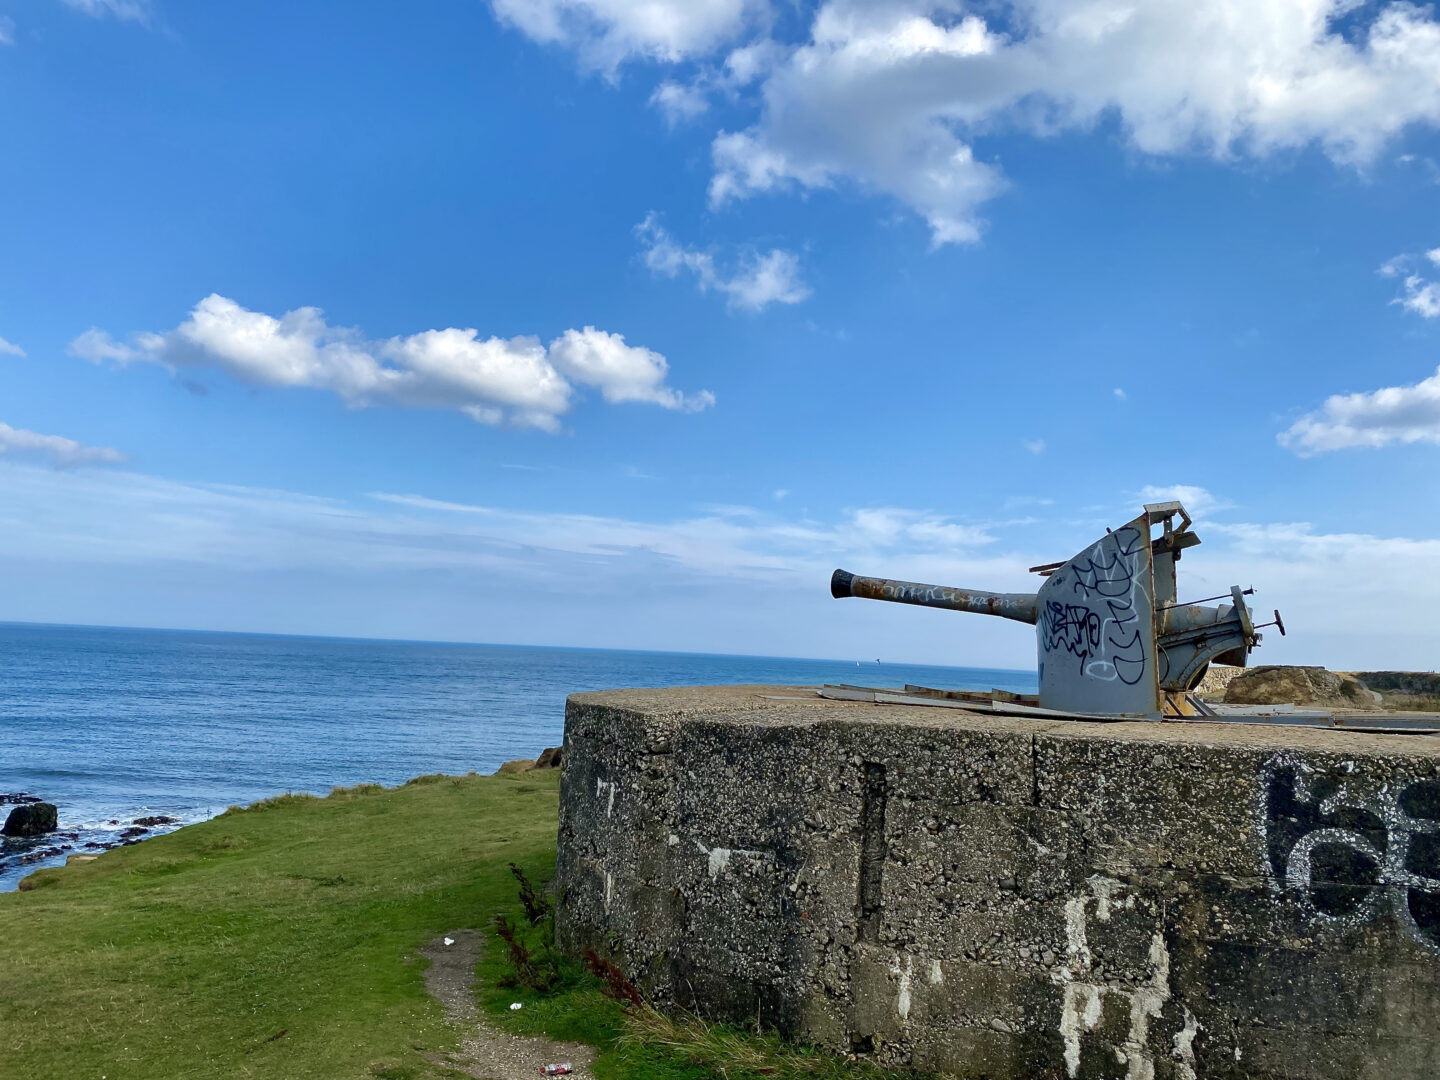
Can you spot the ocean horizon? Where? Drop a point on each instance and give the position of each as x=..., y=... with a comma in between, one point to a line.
x=117, y=723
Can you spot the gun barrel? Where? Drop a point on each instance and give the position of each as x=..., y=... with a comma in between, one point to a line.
x=1020, y=607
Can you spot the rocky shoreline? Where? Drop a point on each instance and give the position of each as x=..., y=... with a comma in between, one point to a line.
x=24, y=846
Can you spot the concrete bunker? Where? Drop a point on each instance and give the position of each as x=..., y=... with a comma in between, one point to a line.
x=1007, y=897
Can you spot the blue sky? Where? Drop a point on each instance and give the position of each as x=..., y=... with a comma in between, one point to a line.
x=604, y=323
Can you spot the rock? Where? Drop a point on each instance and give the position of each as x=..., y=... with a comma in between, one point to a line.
x=15, y=798
x=1279, y=685
x=31, y=819
x=519, y=765
x=156, y=819
x=1217, y=679
x=131, y=833
x=549, y=758
x=72, y=860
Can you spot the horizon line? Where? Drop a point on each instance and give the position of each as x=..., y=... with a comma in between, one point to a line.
x=501, y=645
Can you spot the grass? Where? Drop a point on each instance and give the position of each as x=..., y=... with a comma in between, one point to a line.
x=279, y=941
x=1410, y=702
x=275, y=941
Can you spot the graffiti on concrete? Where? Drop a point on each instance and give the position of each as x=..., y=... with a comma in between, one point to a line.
x=1347, y=850
x=1084, y=995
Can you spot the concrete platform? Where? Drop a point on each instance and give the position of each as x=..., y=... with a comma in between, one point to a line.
x=1006, y=897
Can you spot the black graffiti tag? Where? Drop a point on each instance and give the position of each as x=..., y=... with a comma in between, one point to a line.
x=1100, y=624
x=1343, y=855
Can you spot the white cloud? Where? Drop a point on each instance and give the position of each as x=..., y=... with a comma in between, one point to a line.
x=1404, y=414
x=60, y=450
x=125, y=10
x=414, y=565
x=679, y=102
x=1197, y=500
x=606, y=33
x=129, y=517
x=1350, y=600
x=1120, y=393
x=893, y=95
x=7, y=30
x=622, y=372
x=8, y=349
x=1035, y=446
x=758, y=280
x=493, y=380
x=1421, y=295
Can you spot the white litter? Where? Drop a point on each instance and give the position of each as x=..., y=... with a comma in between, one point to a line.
x=449, y=941
x=515, y=1005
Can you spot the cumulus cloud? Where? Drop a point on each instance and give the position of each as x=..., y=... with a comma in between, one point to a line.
x=893, y=95
x=1421, y=294
x=60, y=450
x=606, y=33
x=1403, y=414
x=622, y=372
x=1197, y=500
x=494, y=380
x=679, y=102
x=125, y=10
x=759, y=279
x=9, y=349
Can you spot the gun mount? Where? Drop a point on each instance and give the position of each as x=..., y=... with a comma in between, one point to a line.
x=1111, y=636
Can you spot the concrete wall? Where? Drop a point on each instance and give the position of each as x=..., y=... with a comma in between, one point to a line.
x=1013, y=898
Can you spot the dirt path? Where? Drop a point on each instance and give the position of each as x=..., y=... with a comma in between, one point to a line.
x=486, y=1052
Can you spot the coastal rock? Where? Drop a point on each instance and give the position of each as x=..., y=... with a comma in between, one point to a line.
x=1280, y=685
x=519, y=765
x=132, y=833
x=15, y=798
x=1217, y=680
x=549, y=758
x=156, y=819
x=31, y=819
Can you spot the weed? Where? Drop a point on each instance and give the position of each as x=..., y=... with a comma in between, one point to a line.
x=533, y=973
x=615, y=984
x=537, y=908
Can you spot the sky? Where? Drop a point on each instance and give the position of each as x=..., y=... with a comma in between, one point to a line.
x=622, y=323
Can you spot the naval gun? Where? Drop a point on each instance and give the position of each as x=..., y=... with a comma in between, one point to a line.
x=1111, y=637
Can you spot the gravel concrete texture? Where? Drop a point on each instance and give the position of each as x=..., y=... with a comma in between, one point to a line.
x=1005, y=898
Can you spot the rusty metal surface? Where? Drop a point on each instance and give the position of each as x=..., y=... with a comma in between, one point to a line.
x=1017, y=606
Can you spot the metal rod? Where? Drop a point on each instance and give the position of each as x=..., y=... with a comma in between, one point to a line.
x=1223, y=596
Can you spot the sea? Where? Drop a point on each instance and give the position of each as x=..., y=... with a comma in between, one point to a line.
x=115, y=724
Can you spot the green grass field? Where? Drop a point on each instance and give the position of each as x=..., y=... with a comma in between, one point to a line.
x=272, y=942
x=279, y=941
